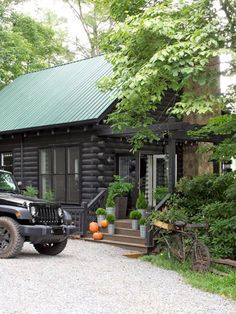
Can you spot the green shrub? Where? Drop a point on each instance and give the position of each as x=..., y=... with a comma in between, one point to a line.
x=160, y=192
x=230, y=193
x=221, y=217
x=135, y=215
x=49, y=196
x=142, y=221
x=141, y=202
x=210, y=198
x=119, y=187
x=110, y=201
x=30, y=191
x=111, y=218
x=101, y=211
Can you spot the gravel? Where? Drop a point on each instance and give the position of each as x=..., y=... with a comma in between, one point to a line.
x=96, y=278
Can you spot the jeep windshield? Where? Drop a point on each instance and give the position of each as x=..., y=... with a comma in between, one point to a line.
x=7, y=183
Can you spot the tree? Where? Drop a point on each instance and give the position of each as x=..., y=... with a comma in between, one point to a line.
x=170, y=45
x=26, y=45
x=95, y=19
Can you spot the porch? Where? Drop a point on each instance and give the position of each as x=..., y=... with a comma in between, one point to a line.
x=124, y=237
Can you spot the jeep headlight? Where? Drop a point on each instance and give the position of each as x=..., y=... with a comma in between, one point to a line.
x=60, y=212
x=33, y=211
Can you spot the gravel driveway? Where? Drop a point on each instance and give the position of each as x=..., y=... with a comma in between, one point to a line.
x=96, y=278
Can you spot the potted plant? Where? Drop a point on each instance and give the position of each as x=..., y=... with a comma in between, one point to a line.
x=110, y=204
x=101, y=215
x=119, y=190
x=111, y=223
x=141, y=203
x=143, y=227
x=135, y=215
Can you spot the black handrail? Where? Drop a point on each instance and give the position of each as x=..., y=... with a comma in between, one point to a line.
x=98, y=199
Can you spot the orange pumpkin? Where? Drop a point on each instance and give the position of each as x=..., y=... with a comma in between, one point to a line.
x=93, y=227
x=97, y=235
x=104, y=223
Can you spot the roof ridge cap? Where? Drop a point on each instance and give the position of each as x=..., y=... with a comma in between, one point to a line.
x=62, y=64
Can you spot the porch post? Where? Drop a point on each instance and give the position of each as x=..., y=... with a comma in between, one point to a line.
x=171, y=164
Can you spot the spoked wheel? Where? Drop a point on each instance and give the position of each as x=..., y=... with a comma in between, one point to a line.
x=11, y=242
x=51, y=248
x=176, y=247
x=200, y=257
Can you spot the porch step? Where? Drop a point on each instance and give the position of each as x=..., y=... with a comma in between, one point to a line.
x=121, y=238
x=128, y=246
x=123, y=223
x=126, y=231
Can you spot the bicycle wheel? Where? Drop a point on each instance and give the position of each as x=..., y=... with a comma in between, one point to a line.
x=200, y=257
x=176, y=247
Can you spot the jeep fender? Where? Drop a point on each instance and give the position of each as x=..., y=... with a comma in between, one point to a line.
x=20, y=213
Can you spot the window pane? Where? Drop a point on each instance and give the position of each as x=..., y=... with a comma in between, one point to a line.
x=59, y=160
x=7, y=161
x=45, y=184
x=59, y=187
x=73, y=160
x=45, y=161
x=162, y=172
x=127, y=167
x=73, y=188
x=124, y=166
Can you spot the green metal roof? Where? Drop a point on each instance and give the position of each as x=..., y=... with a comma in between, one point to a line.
x=60, y=95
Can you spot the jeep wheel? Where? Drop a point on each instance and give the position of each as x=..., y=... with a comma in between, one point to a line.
x=51, y=248
x=11, y=241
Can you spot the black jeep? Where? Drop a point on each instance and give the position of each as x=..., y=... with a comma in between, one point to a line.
x=45, y=224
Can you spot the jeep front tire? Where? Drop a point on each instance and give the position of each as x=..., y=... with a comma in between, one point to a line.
x=51, y=248
x=11, y=241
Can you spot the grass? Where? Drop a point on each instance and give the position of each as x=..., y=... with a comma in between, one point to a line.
x=210, y=282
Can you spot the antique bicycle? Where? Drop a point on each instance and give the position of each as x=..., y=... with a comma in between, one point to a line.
x=181, y=240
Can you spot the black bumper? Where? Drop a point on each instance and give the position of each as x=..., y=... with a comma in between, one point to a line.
x=41, y=233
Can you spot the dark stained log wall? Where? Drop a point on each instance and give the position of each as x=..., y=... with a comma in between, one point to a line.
x=98, y=156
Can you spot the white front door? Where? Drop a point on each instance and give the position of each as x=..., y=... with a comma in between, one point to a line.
x=157, y=174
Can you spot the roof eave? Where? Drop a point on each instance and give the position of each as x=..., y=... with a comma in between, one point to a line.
x=52, y=126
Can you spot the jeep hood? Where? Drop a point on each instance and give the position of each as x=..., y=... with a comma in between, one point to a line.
x=20, y=200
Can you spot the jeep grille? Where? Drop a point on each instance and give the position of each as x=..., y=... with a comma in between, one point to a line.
x=47, y=215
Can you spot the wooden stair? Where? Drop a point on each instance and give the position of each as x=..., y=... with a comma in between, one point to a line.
x=124, y=237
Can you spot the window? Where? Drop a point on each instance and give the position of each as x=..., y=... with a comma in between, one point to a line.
x=59, y=172
x=7, y=161
x=127, y=165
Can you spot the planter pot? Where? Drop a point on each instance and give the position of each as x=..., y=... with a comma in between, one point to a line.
x=111, y=229
x=121, y=207
x=142, y=211
x=110, y=210
x=134, y=223
x=143, y=229
x=100, y=218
